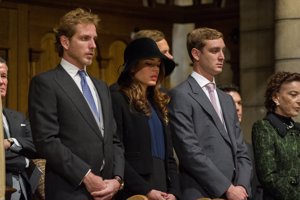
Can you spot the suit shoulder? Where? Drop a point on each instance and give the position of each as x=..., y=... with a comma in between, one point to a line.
x=263, y=126
x=99, y=83
x=118, y=96
x=15, y=113
x=44, y=75
x=261, y=122
x=180, y=88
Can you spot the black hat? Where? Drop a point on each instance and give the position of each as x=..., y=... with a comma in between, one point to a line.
x=143, y=48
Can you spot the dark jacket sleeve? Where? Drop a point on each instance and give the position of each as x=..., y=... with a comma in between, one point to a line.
x=173, y=179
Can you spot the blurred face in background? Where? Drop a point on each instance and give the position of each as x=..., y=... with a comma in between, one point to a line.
x=238, y=103
x=3, y=79
x=164, y=48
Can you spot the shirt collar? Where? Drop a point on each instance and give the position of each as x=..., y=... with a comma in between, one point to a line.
x=71, y=69
x=201, y=80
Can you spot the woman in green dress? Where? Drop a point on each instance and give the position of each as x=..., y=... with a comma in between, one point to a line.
x=276, y=139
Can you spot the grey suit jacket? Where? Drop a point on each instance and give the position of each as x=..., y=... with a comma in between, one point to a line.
x=211, y=157
x=67, y=135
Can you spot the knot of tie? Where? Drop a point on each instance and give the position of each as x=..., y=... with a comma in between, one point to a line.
x=210, y=87
x=82, y=74
x=213, y=99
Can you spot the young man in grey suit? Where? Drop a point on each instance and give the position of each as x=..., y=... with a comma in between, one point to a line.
x=72, y=118
x=207, y=136
x=19, y=148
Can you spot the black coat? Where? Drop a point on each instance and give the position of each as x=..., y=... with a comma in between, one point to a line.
x=134, y=131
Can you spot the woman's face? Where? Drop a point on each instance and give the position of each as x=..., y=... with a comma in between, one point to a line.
x=148, y=71
x=287, y=100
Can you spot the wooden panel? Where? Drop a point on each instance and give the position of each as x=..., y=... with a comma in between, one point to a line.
x=115, y=59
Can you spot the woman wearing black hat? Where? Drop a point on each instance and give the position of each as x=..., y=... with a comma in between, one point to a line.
x=140, y=110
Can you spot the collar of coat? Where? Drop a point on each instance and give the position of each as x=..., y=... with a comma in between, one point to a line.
x=281, y=127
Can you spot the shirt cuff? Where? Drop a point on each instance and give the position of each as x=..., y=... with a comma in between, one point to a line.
x=85, y=176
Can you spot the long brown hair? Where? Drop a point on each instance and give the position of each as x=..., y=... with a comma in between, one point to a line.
x=137, y=98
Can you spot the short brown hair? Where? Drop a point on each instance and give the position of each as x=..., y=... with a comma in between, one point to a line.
x=196, y=38
x=274, y=85
x=155, y=35
x=68, y=23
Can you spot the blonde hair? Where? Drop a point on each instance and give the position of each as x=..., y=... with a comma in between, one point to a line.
x=67, y=25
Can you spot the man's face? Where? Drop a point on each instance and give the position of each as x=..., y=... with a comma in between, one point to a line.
x=211, y=58
x=238, y=103
x=164, y=48
x=79, y=50
x=3, y=79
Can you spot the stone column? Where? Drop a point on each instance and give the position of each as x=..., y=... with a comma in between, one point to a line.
x=287, y=34
x=180, y=53
x=256, y=58
x=181, y=57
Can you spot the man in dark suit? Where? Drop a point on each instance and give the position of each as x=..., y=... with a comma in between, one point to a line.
x=19, y=148
x=72, y=118
x=207, y=137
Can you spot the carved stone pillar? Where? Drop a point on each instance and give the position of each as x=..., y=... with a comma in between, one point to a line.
x=287, y=33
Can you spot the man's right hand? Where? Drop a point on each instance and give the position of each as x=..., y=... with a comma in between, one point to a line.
x=236, y=193
x=93, y=183
x=7, y=144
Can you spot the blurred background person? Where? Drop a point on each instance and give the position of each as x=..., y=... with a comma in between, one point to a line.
x=140, y=110
x=160, y=39
x=234, y=92
x=276, y=139
x=19, y=148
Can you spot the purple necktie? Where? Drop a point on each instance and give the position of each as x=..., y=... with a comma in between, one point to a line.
x=88, y=94
x=211, y=87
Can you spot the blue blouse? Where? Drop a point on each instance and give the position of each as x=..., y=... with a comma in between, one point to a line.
x=157, y=135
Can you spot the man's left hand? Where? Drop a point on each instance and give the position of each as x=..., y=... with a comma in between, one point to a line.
x=112, y=187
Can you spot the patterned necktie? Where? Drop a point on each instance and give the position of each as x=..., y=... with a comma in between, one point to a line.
x=211, y=87
x=88, y=94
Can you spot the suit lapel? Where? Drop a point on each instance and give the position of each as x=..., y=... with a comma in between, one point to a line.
x=72, y=91
x=225, y=102
x=104, y=103
x=199, y=95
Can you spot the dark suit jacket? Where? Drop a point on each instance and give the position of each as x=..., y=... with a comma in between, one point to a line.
x=19, y=129
x=211, y=158
x=135, y=133
x=67, y=135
